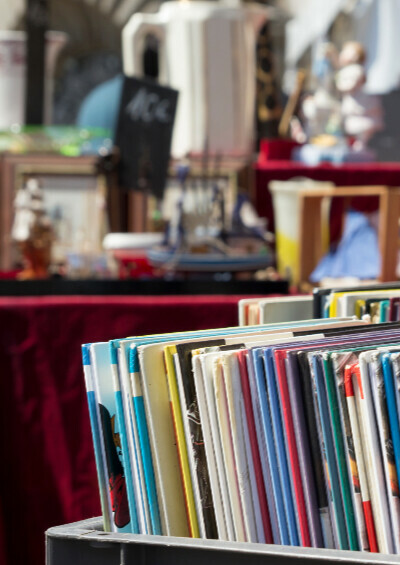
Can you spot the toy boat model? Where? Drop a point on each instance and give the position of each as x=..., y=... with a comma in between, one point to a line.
x=169, y=259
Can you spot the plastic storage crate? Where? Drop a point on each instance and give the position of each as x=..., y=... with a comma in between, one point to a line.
x=85, y=543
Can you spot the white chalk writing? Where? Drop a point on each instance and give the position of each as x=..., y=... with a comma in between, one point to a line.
x=148, y=107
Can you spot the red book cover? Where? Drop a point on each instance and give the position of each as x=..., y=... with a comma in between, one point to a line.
x=292, y=447
x=244, y=379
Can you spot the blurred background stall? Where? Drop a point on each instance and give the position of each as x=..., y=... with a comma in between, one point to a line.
x=147, y=148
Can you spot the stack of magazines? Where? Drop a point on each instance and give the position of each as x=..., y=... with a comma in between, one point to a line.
x=287, y=433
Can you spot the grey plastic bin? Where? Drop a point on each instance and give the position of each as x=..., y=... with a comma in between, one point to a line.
x=85, y=543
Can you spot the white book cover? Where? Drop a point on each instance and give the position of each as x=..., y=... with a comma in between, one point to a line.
x=207, y=362
x=233, y=486
x=285, y=309
x=373, y=458
x=241, y=442
x=385, y=438
x=207, y=423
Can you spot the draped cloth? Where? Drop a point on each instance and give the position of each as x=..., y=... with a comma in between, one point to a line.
x=47, y=473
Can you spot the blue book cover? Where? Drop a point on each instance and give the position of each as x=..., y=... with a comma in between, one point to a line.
x=147, y=497
x=144, y=442
x=122, y=521
x=268, y=438
x=262, y=445
x=392, y=407
x=129, y=449
x=281, y=446
x=95, y=424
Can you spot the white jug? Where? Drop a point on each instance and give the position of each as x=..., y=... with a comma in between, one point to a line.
x=207, y=52
x=13, y=70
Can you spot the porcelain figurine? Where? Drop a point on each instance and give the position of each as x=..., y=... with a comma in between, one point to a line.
x=362, y=114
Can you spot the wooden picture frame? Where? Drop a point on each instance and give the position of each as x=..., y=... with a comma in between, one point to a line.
x=66, y=172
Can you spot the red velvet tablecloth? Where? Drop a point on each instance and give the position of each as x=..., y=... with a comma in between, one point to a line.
x=48, y=474
x=349, y=174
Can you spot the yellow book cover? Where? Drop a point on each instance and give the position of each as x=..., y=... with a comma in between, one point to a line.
x=169, y=352
x=360, y=306
x=333, y=304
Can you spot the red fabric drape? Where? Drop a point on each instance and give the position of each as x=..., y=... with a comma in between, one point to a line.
x=48, y=474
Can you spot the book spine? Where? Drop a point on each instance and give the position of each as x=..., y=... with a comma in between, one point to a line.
x=373, y=460
x=196, y=452
x=126, y=455
x=351, y=461
x=317, y=457
x=293, y=459
x=133, y=442
x=332, y=479
x=303, y=448
x=217, y=448
x=144, y=445
x=181, y=445
x=244, y=468
x=281, y=447
x=97, y=440
x=105, y=394
x=340, y=454
x=254, y=447
x=267, y=439
x=221, y=403
x=388, y=457
x=359, y=457
x=386, y=444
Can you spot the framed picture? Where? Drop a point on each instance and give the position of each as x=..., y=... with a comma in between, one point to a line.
x=75, y=197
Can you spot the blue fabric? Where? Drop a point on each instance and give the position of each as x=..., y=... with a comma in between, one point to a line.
x=357, y=254
x=100, y=108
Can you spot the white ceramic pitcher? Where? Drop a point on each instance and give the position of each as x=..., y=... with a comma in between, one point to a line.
x=207, y=52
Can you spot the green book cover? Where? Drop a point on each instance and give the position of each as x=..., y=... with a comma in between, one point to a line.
x=340, y=452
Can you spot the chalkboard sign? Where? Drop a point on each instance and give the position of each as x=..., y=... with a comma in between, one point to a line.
x=144, y=133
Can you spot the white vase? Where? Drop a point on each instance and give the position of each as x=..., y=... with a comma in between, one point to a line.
x=207, y=52
x=13, y=71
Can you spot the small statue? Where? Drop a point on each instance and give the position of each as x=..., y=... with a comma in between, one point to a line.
x=322, y=108
x=361, y=112
x=32, y=231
